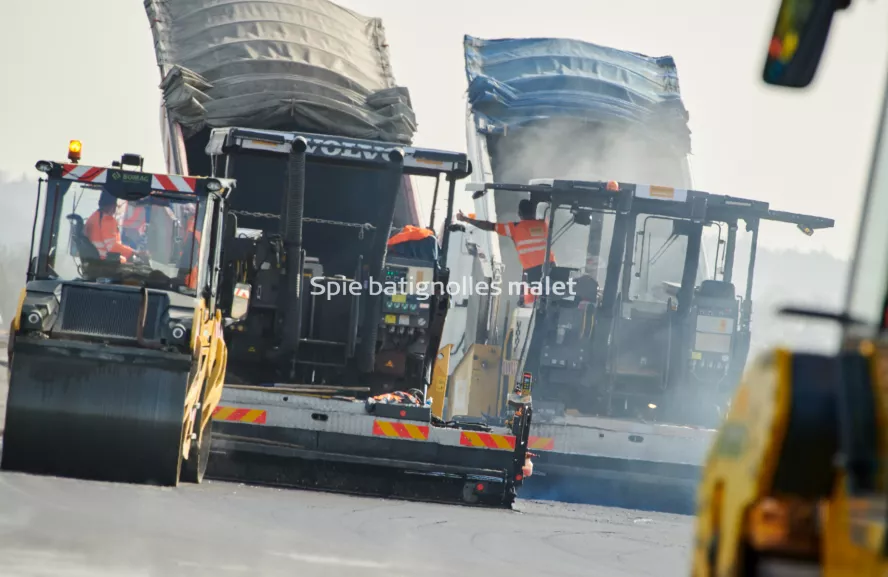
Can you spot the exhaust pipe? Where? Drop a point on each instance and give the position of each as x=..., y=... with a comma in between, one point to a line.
x=291, y=232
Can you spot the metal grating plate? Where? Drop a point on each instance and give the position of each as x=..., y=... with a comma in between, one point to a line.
x=108, y=312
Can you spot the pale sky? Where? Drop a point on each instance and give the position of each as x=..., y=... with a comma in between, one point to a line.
x=86, y=70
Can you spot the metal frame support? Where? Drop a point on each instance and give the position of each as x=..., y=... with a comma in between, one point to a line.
x=730, y=249
x=448, y=220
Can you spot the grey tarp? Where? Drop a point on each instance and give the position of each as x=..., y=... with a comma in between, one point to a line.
x=309, y=65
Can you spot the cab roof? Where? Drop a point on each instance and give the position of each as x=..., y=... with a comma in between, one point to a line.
x=417, y=161
x=132, y=182
x=661, y=200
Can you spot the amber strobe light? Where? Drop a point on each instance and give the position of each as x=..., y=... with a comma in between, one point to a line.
x=74, y=148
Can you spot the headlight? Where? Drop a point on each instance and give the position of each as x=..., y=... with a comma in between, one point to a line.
x=34, y=317
x=38, y=312
x=178, y=332
x=214, y=185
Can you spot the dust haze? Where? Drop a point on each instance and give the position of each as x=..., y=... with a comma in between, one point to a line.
x=17, y=198
x=570, y=150
x=654, y=152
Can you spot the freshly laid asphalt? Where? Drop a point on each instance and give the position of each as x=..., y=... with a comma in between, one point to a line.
x=70, y=528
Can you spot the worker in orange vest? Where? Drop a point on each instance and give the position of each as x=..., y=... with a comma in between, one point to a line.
x=191, y=245
x=134, y=226
x=103, y=230
x=529, y=235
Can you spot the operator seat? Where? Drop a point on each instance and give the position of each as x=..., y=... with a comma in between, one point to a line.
x=86, y=250
x=716, y=289
x=585, y=290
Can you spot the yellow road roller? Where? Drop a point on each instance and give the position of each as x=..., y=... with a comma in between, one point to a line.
x=116, y=354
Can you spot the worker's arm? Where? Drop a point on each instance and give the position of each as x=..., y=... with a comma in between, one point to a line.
x=122, y=249
x=110, y=234
x=482, y=224
x=113, y=231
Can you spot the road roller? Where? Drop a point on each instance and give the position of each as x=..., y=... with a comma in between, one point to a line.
x=116, y=353
x=796, y=481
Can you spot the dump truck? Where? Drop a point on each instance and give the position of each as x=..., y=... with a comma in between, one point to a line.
x=116, y=355
x=331, y=275
x=535, y=112
x=621, y=423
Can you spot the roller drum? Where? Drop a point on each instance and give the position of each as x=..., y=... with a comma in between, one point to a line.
x=75, y=412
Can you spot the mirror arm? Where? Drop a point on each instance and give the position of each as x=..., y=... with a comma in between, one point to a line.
x=843, y=318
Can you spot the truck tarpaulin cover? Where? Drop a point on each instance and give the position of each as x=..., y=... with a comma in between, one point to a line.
x=308, y=63
x=561, y=108
x=515, y=82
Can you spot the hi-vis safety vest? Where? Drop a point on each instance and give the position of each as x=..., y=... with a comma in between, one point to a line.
x=137, y=219
x=191, y=277
x=529, y=237
x=102, y=230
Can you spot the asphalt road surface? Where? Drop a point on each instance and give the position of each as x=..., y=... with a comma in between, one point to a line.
x=69, y=528
x=4, y=341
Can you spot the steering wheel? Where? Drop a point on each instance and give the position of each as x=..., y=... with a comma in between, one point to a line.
x=139, y=260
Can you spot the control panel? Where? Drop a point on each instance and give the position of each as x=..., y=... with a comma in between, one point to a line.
x=405, y=296
x=715, y=324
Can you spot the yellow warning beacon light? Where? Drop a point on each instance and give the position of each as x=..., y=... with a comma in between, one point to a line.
x=74, y=148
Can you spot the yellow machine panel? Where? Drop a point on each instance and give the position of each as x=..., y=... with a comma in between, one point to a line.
x=438, y=391
x=795, y=480
x=474, y=386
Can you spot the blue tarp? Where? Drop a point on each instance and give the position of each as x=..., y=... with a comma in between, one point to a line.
x=513, y=82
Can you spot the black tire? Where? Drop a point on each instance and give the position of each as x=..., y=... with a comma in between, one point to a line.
x=195, y=466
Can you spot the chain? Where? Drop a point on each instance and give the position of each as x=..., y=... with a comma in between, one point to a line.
x=361, y=227
x=254, y=214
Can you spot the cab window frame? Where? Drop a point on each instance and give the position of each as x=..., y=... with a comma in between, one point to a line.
x=866, y=298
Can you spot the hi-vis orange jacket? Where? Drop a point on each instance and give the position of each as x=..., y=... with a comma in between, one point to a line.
x=137, y=219
x=529, y=237
x=102, y=230
x=191, y=277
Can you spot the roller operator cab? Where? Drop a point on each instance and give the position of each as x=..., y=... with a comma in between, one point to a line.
x=613, y=344
x=323, y=287
x=116, y=351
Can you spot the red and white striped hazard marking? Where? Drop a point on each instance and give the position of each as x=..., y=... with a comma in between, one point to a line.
x=173, y=183
x=80, y=173
x=98, y=175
